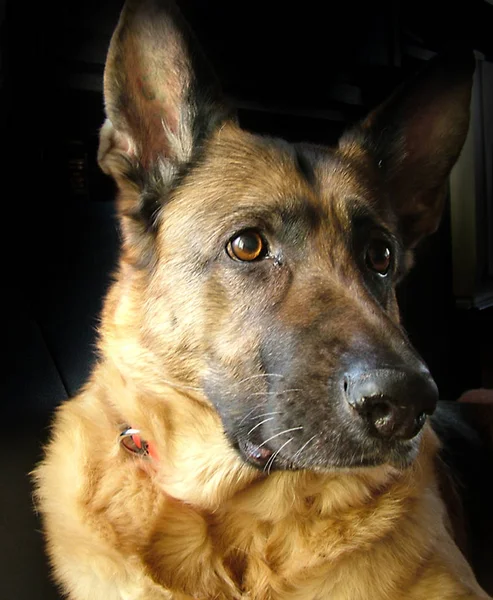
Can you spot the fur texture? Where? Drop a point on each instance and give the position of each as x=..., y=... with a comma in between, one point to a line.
x=196, y=348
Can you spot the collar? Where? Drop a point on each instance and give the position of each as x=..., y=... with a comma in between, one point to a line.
x=132, y=442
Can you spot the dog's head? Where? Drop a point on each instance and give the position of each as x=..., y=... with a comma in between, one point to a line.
x=263, y=274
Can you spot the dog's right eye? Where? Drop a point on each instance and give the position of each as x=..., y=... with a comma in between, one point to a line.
x=247, y=246
x=379, y=256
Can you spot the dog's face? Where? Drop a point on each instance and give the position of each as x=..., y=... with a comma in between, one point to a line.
x=269, y=268
x=287, y=263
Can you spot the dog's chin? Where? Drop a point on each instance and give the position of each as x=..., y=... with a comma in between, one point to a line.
x=259, y=455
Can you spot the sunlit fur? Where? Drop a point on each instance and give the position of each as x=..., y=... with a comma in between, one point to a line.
x=204, y=525
x=199, y=522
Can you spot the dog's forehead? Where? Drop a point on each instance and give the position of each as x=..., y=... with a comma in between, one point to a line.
x=259, y=173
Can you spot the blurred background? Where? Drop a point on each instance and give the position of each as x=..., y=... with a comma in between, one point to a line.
x=303, y=72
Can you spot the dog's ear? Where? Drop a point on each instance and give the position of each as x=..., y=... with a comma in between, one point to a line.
x=162, y=101
x=414, y=139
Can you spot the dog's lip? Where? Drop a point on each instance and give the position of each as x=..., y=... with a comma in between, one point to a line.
x=255, y=454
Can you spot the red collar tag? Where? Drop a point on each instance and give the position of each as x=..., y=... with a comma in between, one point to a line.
x=132, y=442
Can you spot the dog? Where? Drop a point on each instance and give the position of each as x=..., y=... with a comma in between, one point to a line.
x=257, y=424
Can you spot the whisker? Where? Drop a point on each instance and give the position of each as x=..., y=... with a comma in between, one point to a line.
x=270, y=462
x=278, y=434
x=298, y=452
x=265, y=415
x=248, y=414
x=275, y=393
x=258, y=424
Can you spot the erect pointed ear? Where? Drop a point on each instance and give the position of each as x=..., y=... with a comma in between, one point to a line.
x=162, y=100
x=414, y=139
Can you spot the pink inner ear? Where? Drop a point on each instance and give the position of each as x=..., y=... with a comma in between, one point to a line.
x=149, y=90
x=153, y=68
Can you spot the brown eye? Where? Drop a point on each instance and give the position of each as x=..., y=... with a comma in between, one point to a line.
x=378, y=256
x=247, y=246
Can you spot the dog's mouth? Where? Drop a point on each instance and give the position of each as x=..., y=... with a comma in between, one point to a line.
x=399, y=455
x=362, y=452
x=255, y=454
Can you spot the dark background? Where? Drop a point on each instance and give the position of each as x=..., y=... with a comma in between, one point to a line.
x=301, y=71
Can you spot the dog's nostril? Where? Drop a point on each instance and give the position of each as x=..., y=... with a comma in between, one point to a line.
x=387, y=419
x=380, y=415
x=380, y=412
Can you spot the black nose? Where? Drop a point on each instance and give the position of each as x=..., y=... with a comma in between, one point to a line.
x=393, y=403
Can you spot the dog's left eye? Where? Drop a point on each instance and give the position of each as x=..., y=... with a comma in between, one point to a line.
x=247, y=246
x=378, y=256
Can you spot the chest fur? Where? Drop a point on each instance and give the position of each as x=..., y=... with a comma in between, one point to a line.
x=301, y=550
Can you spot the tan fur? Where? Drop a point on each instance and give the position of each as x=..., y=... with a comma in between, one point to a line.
x=207, y=526
x=200, y=523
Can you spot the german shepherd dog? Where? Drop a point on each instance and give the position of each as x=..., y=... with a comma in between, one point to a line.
x=256, y=426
